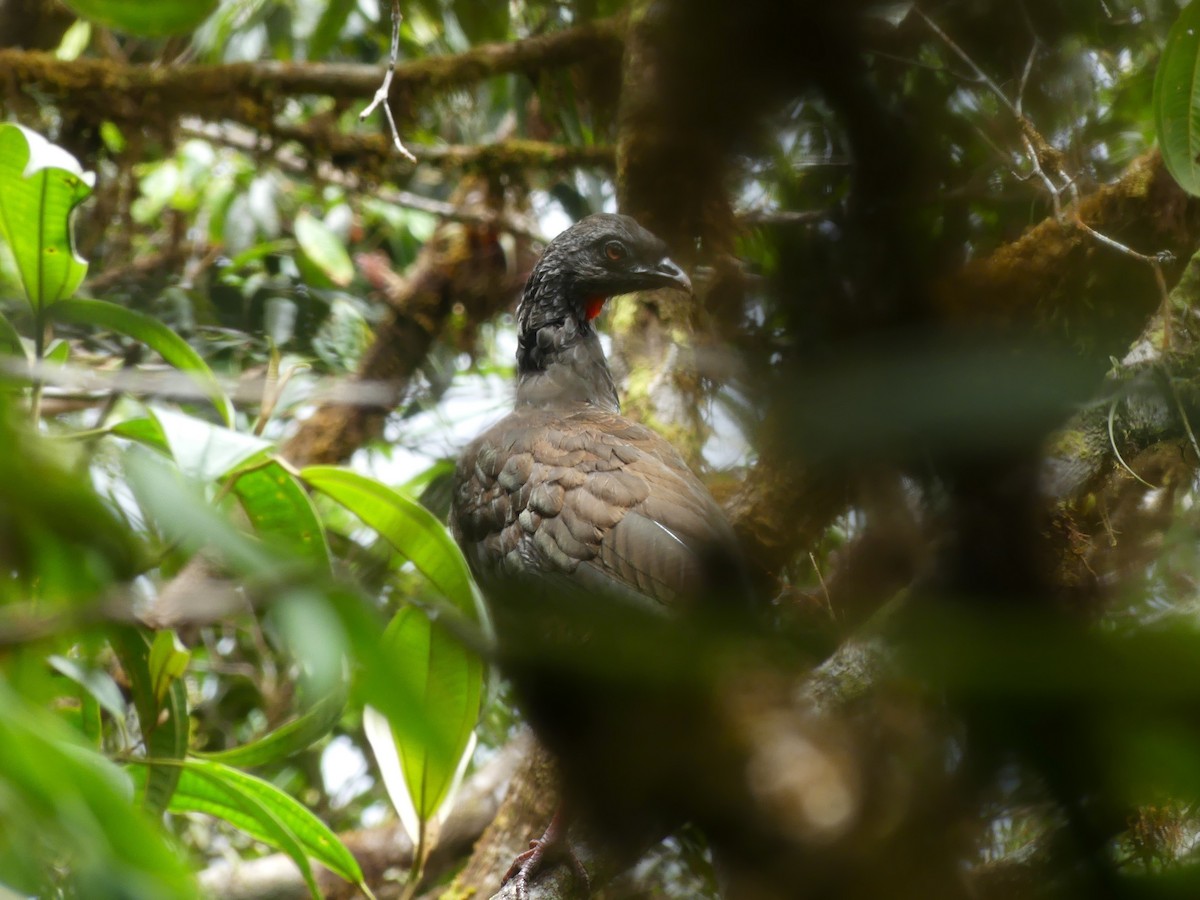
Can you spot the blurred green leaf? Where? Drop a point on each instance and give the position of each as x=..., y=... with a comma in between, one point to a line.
x=73, y=805
x=175, y=504
x=1177, y=100
x=324, y=249
x=205, y=451
x=96, y=682
x=329, y=27
x=57, y=353
x=145, y=18
x=40, y=184
x=154, y=334
x=287, y=739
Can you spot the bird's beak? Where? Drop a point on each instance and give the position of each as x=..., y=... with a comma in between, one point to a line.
x=665, y=273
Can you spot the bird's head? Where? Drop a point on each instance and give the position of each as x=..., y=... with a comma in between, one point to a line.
x=596, y=258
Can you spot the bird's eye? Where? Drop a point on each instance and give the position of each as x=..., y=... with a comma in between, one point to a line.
x=614, y=250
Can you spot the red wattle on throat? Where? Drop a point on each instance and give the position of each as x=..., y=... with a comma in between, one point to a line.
x=593, y=305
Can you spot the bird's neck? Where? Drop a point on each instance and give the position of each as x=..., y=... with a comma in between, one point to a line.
x=560, y=362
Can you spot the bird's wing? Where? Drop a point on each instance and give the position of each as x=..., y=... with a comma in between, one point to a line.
x=590, y=502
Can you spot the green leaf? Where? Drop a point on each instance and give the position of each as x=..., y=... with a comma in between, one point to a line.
x=164, y=721
x=205, y=451
x=168, y=661
x=421, y=773
x=280, y=509
x=409, y=527
x=73, y=806
x=145, y=18
x=40, y=184
x=145, y=430
x=288, y=739
x=267, y=814
x=154, y=334
x=329, y=27
x=1177, y=100
x=175, y=505
x=324, y=249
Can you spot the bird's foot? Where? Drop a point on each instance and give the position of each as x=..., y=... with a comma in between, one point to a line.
x=552, y=845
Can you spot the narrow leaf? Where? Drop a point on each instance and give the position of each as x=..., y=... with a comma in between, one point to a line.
x=10, y=341
x=164, y=724
x=145, y=430
x=410, y=528
x=155, y=335
x=95, y=682
x=288, y=739
x=266, y=813
x=168, y=661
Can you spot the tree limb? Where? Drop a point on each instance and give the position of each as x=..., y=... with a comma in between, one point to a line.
x=251, y=92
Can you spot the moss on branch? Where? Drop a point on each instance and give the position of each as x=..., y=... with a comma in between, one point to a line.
x=250, y=92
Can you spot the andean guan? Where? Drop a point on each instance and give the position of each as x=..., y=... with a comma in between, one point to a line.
x=565, y=506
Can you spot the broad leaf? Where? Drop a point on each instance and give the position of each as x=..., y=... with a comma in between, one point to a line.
x=1177, y=100
x=40, y=184
x=203, y=450
x=155, y=335
x=145, y=18
x=421, y=774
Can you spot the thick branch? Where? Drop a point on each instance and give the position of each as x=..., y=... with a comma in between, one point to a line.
x=248, y=92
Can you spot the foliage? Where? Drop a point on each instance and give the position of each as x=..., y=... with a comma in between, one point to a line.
x=198, y=630
x=169, y=492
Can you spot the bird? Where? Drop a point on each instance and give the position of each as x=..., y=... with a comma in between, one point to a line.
x=566, y=510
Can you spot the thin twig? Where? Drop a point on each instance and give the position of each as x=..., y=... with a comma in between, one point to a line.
x=381, y=95
x=1044, y=156
x=962, y=54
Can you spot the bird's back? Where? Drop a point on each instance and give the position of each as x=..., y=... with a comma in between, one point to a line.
x=582, y=500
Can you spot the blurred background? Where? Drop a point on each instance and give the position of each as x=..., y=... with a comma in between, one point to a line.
x=940, y=370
